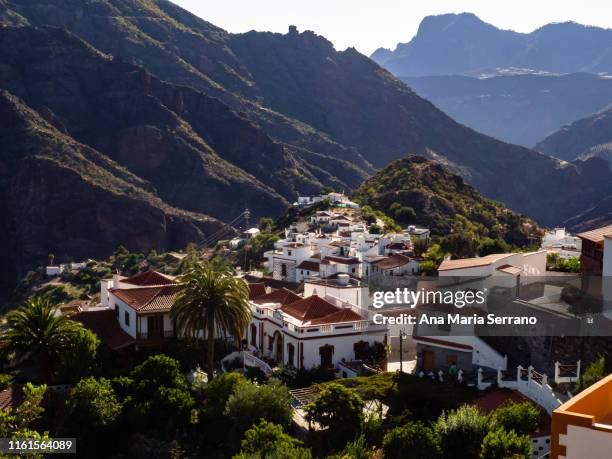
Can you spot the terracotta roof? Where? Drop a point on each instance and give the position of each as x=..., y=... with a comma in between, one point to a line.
x=309, y=265
x=149, y=278
x=340, y=244
x=472, y=262
x=256, y=290
x=442, y=342
x=342, y=315
x=104, y=324
x=509, y=269
x=343, y=217
x=148, y=299
x=394, y=261
x=596, y=235
x=306, y=309
x=294, y=245
x=341, y=260
x=272, y=283
x=281, y=296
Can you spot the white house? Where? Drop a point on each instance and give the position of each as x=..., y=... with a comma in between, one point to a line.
x=523, y=266
x=397, y=264
x=560, y=241
x=283, y=262
x=310, y=332
x=419, y=233
x=331, y=265
x=341, y=286
x=142, y=305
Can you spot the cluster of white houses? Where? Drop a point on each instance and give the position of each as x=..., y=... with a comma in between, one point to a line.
x=339, y=243
x=328, y=324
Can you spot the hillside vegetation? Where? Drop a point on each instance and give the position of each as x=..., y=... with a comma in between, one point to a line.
x=414, y=190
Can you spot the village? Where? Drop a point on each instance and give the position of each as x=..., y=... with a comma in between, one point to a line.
x=313, y=306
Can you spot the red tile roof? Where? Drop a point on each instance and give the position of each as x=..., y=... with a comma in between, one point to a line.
x=394, y=261
x=463, y=263
x=596, y=235
x=306, y=309
x=398, y=246
x=256, y=290
x=148, y=299
x=104, y=324
x=341, y=260
x=342, y=315
x=309, y=265
x=149, y=278
x=281, y=296
x=509, y=269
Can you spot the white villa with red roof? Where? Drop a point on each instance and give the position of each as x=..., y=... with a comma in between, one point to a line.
x=312, y=331
x=142, y=305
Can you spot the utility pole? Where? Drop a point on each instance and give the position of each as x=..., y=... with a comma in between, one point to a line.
x=247, y=217
x=402, y=337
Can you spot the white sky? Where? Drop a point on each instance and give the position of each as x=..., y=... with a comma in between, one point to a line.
x=367, y=25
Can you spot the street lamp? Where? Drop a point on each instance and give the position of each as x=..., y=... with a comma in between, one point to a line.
x=402, y=337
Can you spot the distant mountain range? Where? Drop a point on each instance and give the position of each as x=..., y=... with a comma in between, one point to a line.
x=462, y=44
x=517, y=108
x=200, y=124
x=585, y=138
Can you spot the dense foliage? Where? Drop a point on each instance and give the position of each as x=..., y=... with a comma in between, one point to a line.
x=415, y=190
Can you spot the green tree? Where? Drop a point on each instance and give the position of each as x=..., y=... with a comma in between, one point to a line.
x=218, y=391
x=250, y=402
x=265, y=224
x=500, y=444
x=523, y=418
x=92, y=411
x=413, y=440
x=18, y=422
x=79, y=360
x=594, y=372
x=211, y=299
x=266, y=439
x=462, y=430
x=36, y=331
x=339, y=409
x=159, y=391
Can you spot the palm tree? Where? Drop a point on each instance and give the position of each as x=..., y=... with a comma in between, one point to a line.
x=36, y=331
x=212, y=300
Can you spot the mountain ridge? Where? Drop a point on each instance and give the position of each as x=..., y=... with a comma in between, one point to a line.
x=458, y=44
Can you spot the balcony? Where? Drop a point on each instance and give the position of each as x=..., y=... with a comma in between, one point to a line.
x=154, y=338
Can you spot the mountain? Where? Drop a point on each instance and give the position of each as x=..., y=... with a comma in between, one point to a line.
x=58, y=195
x=414, y=190
x=211, y=122
x=462, y=44
x=587, y=137
x=519, y=108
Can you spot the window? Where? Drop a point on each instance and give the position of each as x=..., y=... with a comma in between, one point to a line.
x=126, y=318
x=353, y=270
x=284, y=270
x=116, y=310
x=289, y=252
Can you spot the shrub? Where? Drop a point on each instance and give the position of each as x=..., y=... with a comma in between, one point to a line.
x=414, y=440
x=522, y=418
x=462, y=430
x=266, y=439
x=339, y=409
x=500, y=444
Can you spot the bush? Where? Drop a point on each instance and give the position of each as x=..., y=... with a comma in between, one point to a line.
x=249, y=403
x=218, y=391
x=339, y=409
x=580, y=302
x=500, y=444
x=522, y=418
x=414, y=440
x=462, y=430
x=266, y=439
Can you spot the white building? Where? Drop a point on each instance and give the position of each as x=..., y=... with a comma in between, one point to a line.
x=310, y=332
x=142, y=304
x=522, y=266
x=283, y=262
x=397, y=264
x=341, y=286
x=331, y=265
x=560, y=241
x=419, y=233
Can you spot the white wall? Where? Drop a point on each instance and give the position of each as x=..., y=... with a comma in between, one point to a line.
x=581, y=442
x=131, y=328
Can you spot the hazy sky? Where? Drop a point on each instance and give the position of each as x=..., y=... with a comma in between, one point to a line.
x=367, y=25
